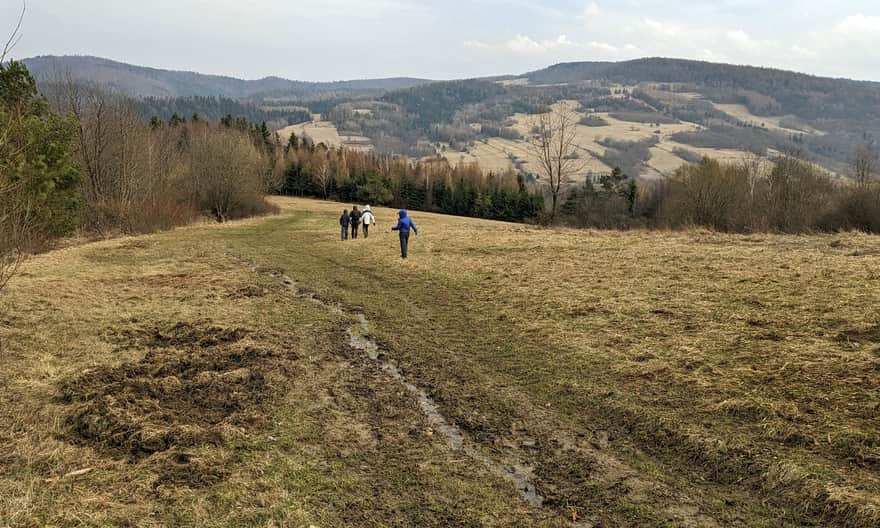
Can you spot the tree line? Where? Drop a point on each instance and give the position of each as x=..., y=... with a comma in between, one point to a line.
x=430, y=185
x=214, y=108
x=78, y=159
x=786, y=194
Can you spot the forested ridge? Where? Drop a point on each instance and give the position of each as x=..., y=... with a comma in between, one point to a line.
x=417, y=117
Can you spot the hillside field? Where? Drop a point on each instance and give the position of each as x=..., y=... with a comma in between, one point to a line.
x=263, y=373
x=499, y=154
x=495, y=153
x=324, y=132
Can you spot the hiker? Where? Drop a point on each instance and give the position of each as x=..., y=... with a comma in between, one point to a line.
x=403, y=226
x=368, y=219
x=355, y=221
x=344, y=220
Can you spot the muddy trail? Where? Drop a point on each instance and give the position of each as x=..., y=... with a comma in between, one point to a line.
x=515, y=471
x=564, y=471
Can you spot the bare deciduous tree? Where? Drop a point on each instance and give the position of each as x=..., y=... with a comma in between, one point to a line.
x=16, y=228
x=322, y=168
x=227, y=172
x=865, y=163
x=757, y=169
x=134, y=175
x=15, y=36
x=15, y=219
x=555, y=148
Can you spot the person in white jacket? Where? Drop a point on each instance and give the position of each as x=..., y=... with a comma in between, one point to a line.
x=368, y=219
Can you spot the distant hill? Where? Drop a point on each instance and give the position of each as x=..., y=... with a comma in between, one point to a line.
x=681, y=109
x=140, y=81
x=647, y=116
x=807, y=96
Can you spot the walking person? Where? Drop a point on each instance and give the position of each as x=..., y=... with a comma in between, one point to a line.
x=368, y=219
x=403, y=227
x=344, y=220
x=355, y=221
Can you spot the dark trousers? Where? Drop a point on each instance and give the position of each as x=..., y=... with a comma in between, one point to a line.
x=366, y=230
x=404, y=242
x=354, y=231
x=344, y=232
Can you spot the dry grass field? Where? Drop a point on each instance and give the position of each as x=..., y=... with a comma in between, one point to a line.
x=325, y=132
x=636, y=378
x=742, y=113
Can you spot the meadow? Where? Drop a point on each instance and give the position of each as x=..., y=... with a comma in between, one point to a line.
x=641, y=378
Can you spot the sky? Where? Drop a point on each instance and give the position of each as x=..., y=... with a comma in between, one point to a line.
x=323, y=40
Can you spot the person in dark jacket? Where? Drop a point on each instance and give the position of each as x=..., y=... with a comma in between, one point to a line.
x=404, y=225
x=344, y=220
x=355, y=221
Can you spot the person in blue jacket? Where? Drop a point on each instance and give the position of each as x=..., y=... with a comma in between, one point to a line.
x=403, y=227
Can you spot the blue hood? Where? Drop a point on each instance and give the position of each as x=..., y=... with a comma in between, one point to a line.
x=402, y=213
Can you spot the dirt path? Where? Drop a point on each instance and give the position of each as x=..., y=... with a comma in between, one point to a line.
x=515, y=471
x=511, y=464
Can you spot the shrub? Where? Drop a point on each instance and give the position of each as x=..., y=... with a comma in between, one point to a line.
x=227, y=173
x=706, y=194
x=593, y=121
x=688, y=155
x=799, y=197
x=857, y=207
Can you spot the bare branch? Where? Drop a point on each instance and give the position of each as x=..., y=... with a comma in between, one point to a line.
x=865, y=162
x=15, y=37
x=554, y=145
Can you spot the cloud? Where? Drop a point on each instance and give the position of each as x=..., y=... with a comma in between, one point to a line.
x=739, y=36
x=603, y=46
x=526, y=44
x=660, y=30
x=475, y=45
x=492, y=36
x=802, y=51
x=858, y=26
x=744, y=42
x=591, y=10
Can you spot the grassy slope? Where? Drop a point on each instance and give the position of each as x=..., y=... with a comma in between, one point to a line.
x=683, y=379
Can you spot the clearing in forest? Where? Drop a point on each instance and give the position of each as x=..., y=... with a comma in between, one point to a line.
x=263, y=373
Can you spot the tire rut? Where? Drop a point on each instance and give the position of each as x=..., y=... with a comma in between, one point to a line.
x=515, y=471
x=510, y=467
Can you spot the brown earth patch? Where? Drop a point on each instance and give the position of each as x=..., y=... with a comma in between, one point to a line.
x=197, y=385
x=248, y=292
x=200, y=334
x=862, y=336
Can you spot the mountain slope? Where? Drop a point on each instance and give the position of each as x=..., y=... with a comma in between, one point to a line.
x=806, y=96
x=140, y=81
x=693, y=108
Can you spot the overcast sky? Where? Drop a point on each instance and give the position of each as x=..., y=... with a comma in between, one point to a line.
x=344, y=39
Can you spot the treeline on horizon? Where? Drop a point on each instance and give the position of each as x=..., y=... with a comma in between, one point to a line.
x=215, y=108
x=353, y=176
